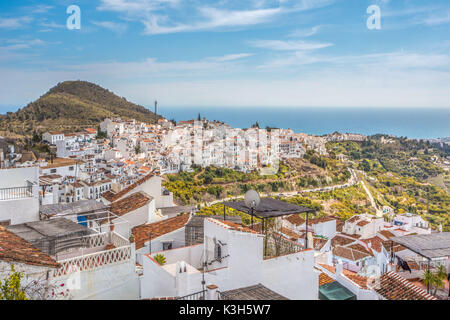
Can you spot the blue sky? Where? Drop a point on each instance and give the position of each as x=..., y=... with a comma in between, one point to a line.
x=231, y=52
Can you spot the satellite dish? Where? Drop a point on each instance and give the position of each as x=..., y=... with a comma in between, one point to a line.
x=252, y=199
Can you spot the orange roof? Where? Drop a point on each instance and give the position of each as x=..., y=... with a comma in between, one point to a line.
x=233, y=226
x=295, y=219
x=341, y=241
x=324, y=279
x=133, y=202
x=16, y=249
x=289, y=233
x=90, y=130
x=350, y=253
x=359, y=280
x=62, y=162
x=394, y=287
x=387, y=234
x=376, y=243
x=111, y=196
x=146, y=232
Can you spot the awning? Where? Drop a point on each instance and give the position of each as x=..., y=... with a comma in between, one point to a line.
x=268, y=208
x=430, y=246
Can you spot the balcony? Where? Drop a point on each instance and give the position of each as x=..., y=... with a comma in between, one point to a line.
x=16, y=193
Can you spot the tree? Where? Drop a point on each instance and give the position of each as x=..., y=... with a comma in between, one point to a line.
x=436, y=279
x=11, y=288
x=100, y=134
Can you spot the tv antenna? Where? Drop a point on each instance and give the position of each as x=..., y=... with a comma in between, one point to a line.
x=252, y=200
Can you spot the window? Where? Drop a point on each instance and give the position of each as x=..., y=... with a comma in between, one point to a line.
x=71, y=168
x=218, y=252
x=167, y=245
x=52, y=170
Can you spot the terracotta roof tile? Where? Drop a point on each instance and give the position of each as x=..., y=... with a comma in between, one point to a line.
x=157, y=229
x=349, y=254
x=290, y=234
x=359, y=280
x=387, y=234
x=360, y=248
x=233, y=226
x=295, y=219
x=394, y=287
x=324, y=279
x=133, y=202
x=15, y=249
x=375, y=242
x=341, y=241
x=111, y=196
x=319, y=243
x=320, y=220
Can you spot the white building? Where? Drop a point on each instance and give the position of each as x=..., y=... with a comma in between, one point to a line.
x=234, y=257
x=53, y=136
x=364, y=225
x=19, y=195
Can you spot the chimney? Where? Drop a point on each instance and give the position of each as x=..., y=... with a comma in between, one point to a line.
x=181, y=279
x=55, y=192
x=310, y=240
x=329, y=256
x=339, y=267
x=211, y=292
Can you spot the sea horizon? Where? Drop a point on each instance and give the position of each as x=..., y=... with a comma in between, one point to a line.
x=413, y=123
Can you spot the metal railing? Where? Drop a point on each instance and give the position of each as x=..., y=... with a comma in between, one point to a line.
x=16, y=193
x=201, y=295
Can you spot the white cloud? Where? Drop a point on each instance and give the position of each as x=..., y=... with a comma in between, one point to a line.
x=213, y=18
x=40, y=8
x=305, y=32
x=171, y=16
x=393, y=79
x=14, y=23
x=119, y=28
x=438, y=19
x=298, y=45
x=232, y=57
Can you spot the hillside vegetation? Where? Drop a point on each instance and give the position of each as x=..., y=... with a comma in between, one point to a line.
x=71, y=105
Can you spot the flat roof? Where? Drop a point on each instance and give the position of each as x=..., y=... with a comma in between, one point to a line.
x=52, y=236
x=431, y=246
x=175, y=210
x=268, y=208
x=78, y=207
x=48, y=229
x=256, y=292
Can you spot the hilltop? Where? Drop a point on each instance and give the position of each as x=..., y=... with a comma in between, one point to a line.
x=71, y=105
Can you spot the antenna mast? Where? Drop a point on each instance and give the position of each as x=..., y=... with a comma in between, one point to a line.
x=156, y=110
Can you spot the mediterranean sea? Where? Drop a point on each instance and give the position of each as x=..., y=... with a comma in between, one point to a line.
x=416, y=123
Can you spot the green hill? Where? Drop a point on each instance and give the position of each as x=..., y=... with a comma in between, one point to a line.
x=71, y=105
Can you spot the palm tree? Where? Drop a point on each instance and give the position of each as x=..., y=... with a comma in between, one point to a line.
x=440, y=275
x=428, y=278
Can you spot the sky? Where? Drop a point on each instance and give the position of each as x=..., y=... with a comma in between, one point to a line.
x=216, y=53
